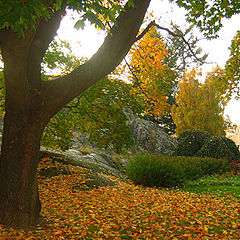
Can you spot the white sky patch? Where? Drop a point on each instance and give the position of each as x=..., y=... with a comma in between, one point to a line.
x=83, y=42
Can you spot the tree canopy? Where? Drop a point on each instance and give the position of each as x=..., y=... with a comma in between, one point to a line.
x=20, y=15
x=209, y=15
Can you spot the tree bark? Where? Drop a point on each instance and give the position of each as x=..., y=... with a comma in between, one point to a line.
x=19, y=199
x=30, y=103
x=23, y=126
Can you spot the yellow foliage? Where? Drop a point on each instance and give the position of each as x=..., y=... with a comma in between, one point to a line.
x=219, y=79
x=151, y=78
x=197, y=106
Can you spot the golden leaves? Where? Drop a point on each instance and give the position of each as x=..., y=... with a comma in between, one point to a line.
x=127, y=211
x=197, y=106
x=151, y=78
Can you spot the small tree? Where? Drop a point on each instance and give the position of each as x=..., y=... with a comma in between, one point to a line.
x=150, y=77
x=197, y=107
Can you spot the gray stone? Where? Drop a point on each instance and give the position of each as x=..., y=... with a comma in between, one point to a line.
x=94, y=181
x=99, y=181
x=149, y=136
x=79, y=140
x=95, y=162
x=52, y=172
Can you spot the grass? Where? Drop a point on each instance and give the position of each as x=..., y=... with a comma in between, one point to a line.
x=224, y=185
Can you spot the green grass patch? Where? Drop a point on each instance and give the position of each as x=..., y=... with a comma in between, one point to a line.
x=224, y=185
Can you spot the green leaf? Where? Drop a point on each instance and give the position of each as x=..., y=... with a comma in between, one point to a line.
x=131, y=4
x=80, y=24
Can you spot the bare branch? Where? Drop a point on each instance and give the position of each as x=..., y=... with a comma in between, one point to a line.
x=76, y=105
x=182, y=37
x=94, y=105
x=141, y=35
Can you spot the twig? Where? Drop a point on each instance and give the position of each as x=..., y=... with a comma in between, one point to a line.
x=178, y=35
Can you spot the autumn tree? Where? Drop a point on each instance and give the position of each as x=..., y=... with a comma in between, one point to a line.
x=219, y=79
x=150, y=77
x=233, y=66
x=27, y=29
x=197, y=106
x=226, y=80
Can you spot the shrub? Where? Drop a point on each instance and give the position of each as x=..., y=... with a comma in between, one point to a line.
x=190, y=142
x=149, y=170
x=232, y=147
x=219, y=147
x=162, y=171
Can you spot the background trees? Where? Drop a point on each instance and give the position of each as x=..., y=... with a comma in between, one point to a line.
x=98, y=112
x=233, y=65
x=197, y=106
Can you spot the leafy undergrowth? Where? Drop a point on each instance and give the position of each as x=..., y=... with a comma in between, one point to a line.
x=126, y=211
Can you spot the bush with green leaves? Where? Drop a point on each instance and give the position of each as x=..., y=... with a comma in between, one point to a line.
x=219, y=147
x=233, y=148
x=190, y=142
x=164, y=171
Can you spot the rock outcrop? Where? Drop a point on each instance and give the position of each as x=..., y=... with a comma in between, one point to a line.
x=97, y=170
x=149, y=136
x=98, y=161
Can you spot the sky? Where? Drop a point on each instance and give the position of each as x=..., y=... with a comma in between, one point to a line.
x=85, y=43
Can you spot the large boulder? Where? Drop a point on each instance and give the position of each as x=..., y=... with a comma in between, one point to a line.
x=97, y=160
x=98, y=169
x=149, y=136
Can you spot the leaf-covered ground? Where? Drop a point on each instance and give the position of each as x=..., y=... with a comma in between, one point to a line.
x=126, y=211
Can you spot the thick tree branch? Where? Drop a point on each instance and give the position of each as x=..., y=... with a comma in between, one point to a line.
x=2, y=36
x=45, y=33
x=15, y=52
x=115, y=47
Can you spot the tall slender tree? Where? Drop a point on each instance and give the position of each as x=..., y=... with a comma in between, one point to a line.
x=197, y=106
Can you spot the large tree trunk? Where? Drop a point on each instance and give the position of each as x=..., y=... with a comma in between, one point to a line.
x=30, y=103
x=19, y=199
